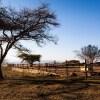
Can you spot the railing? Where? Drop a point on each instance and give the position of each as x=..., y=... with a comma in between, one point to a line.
x=59, y=68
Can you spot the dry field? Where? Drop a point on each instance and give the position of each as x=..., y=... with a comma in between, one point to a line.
x=26, y=86
x=60, y=69
x=68, y=71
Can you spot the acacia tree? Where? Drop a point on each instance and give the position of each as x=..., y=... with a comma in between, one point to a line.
x=90, y=53
x=26, y=24
x=29, y=58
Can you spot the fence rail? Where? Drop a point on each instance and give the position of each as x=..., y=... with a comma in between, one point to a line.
x=59, y=68
x=58, y=65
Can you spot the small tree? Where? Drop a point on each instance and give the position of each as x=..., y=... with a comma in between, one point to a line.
x=29, y=58
x=90, y=53
x=72, y=62
x=26, y=24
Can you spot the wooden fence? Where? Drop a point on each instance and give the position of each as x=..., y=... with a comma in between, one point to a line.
x=59, y=68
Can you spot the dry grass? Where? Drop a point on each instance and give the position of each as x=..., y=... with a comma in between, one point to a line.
x=26, y=86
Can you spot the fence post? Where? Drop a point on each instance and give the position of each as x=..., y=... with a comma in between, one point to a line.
x=39, y=66
x=46, y=65
x=55, y=66
x=66, y=69
x=86, y=68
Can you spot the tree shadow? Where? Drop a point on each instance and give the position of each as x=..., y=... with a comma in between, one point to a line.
x=29, y=80
x=66, y=93
x=46, y=81
x=71, y=86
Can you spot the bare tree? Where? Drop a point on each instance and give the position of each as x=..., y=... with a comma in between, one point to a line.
x=90, y=53
x=26, y=24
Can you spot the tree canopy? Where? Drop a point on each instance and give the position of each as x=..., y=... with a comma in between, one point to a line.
x=26, y=24
x=90, y=53
x=72, y=62
x=29, y=58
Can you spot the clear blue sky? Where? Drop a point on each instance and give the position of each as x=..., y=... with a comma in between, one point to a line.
x=80, y=26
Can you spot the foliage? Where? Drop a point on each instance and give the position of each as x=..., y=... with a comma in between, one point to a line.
x=26, y=24
x=90, y=53
x=29, y=58
x=72, y=61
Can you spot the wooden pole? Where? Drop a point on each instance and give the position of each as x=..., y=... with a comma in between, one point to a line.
x=55, y=66
x=39, y=66
x=86, y=68
x=66, y=69
x=46, y=65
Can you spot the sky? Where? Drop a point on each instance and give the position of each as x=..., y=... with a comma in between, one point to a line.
x=79, y=26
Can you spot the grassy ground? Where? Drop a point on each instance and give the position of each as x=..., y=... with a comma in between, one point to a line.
x=25, y=86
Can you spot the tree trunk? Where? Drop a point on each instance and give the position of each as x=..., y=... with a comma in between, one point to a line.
x=1, y=75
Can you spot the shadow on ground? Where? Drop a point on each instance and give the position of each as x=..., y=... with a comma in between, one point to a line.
x=49, y=87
